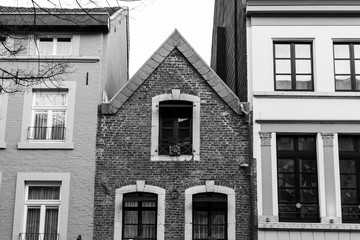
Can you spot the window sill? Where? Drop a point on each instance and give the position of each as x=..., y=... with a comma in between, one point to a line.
x=180, y=158
x=45, y=145
x=2, y=145
x=286, y=226
x=297, y=94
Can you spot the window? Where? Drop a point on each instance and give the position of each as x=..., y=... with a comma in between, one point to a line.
x=210, y=214
x=54, y=45
x=48, y=116
x=42, y=212
x=175, y=137
x=175, y=127
x=349, y=157
x=140, y=212
x=297, y=179
x=293, y=66
x=347, y=66
x=3, y=113
x=15, y=45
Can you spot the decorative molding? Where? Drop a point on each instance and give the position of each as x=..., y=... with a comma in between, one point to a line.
x=265, y=138
x=328, y=139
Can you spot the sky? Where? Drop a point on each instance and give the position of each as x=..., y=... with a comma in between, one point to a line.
x=152, y=22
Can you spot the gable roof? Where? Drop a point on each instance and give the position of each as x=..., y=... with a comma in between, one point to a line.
x=175, y=40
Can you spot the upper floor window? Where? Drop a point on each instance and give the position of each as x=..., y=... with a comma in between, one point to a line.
x=347, y=66
x=297, y=179
x=175, y=137
x=210, y=216
x=349, y=157
x=42, y=204
x=140, y=215
x=293, y=66
x=15, y=45
x=48, y=116
x=54, y=45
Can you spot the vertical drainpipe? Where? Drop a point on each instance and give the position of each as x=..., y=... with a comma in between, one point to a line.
x=236, y=46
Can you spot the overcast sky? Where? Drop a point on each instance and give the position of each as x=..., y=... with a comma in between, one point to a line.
x=152, y=21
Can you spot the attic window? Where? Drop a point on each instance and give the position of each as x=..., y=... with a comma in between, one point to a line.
x=54, y=45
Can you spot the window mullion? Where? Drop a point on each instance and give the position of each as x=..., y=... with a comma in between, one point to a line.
x=49, y=124
x=352, y=66
x=140, y=218
x=54, y=52
x=293, y=67
x=42, y=221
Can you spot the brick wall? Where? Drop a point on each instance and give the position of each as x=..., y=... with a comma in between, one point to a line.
x=123, y=151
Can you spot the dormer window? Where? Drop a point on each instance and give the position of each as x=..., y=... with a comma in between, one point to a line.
x=54, y=45
x=175, y=136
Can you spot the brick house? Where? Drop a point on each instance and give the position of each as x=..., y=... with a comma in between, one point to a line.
x=172, y=154
x=48, y=133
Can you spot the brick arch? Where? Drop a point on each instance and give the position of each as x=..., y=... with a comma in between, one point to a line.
x=140, y=186
x=210, y=187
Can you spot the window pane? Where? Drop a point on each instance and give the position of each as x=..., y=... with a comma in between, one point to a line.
x=348, y=196
x=343, y=82
x=200, y=232
x=308, y=180
x=341, y=51
x=58, y=125
x=184, y=135
x=283, y=82
x=346, y=144
x=218, y=217
x=44, y=193
x=287, y=195
x=347, y=166
x=306, y=144
x=130, y=231
x=149, y=217
x=308, y=195
x=50, y=99
x=357, y=82
x=40, y=125
x=149, y=204
x=63, y=46
x=348, y=181
x=357, y=50
x=32, y=223
x=302, y=51
x=218, y=232
x=304, y=82
x=167, y=123
x=282, y=50
x=200, y=217
x=342, y=66
x=286, y=180
x=285, y=144
x=148, y=231
x=51, y=224
x=303, y=66
x=307, y=166
x=357, y=66
x=167, y=135
x=131, y=217
x=46, y=46
x=184, y=122
x=286, y=165
x=283, y=66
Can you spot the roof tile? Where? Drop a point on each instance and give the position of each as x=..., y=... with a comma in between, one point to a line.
x=157, y=57
x=126, y=91
x=163, y=52
x=205, y=69
x=142, y=75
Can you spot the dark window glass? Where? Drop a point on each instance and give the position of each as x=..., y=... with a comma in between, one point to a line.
x=293, y=66
x=209, y=216
x=175, y=136
x=297, y=179
x=347, y=66
x=139, y=215
x=349, y=155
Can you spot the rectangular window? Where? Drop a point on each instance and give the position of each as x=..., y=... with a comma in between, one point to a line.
x=175, y=137
x=48, y=116
x=349, y=156
x=140, y=216
x=297, y=179
x=15, y=45
x=347, y=66
x=42, y=204
x=293, y=64
x=54, y=45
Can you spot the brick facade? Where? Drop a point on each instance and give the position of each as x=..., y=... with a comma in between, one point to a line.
x=124, y=146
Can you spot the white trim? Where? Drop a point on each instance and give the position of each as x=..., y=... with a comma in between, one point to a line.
x=27, y=113
x=337, y=176
x=19, y=215
x=231, y=208
x=321, y=175
x=3, y=113
x=274, y=175
x=176, y=95
x=140, y=186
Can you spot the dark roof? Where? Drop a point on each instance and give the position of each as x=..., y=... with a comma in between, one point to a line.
x=25, y=10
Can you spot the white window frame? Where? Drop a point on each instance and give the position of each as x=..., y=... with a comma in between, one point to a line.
x=67, y=143
x=175, y=95
x=3, y=113
x=49, y=109
x=54, y=44
x=40, y=179
x=139, y=187
x=210, y=187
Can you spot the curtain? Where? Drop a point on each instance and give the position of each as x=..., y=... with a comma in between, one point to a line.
x=58, y=125
x=51, y=224
x=200, y=224
x=63, y=46
x=130, y=224
x=40, y=123
x=44, y=193
x=32, y=224
x=148, y=224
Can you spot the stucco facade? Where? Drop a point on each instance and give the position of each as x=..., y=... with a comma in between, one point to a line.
x=67, y=163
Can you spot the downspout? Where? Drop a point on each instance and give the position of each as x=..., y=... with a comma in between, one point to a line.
x=236, y=46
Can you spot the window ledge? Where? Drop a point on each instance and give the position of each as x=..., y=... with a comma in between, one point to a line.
x=180, y=158
x=297, y=94
x=45, y=145
x=286, y=226
x=2, y=145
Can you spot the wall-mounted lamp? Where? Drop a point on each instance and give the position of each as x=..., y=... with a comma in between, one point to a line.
x=174, y=194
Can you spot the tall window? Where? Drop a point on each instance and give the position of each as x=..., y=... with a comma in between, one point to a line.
x=48, y=116
x=293, y=66
x=139, y=215
x=175, y=136
x=349, y=154
x=297, y=179
x=42, y=212
x=54, y=45
x=209, y=216
x=347, y=66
